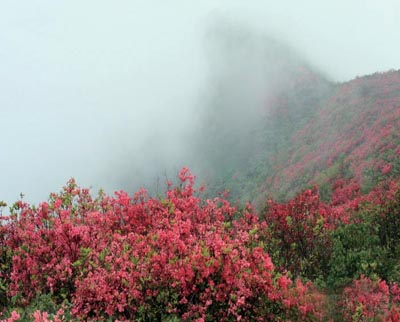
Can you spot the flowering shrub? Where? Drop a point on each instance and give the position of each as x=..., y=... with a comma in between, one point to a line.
x=299, y=233
x=368, y=300
x=367, y=240
x=38, y=316
x=150, y=259
x=182, y=257
x=46, y=241
x=14, y=317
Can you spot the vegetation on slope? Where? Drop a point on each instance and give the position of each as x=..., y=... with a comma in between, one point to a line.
x=185, y=258
x=319, y=133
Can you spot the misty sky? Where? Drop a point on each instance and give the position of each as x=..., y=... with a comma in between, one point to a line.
x=107, y=91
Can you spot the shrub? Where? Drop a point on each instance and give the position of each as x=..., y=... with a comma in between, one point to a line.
x=369, y=300
x=299, y=234
x=146, y=259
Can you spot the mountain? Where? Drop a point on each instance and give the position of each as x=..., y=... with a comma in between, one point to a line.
x=315, y=132
x=355, y=134
x=183, y=256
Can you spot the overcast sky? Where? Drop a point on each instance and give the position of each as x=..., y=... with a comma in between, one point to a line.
x=91, y=87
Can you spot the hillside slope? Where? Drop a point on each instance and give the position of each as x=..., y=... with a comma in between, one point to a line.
x=314, y=137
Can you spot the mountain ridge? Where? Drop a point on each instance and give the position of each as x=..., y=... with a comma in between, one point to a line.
x=349, y=133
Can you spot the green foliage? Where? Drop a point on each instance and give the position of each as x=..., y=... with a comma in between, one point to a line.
x=299, y=235
x=369, y=245
x=356, y=251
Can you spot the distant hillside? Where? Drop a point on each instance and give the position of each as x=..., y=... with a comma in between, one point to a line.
x=354, y=135
x=316, y=132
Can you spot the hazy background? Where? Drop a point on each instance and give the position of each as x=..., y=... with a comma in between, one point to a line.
x=109, y=91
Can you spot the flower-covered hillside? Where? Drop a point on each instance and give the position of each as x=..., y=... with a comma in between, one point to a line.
x=354, y=133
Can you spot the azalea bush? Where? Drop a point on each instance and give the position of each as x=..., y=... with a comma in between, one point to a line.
x=367, y=241
x=5, y=259
x=139, y=258
x=300, y=234
x=40, y=309
x=370, y=300
x=182, y=257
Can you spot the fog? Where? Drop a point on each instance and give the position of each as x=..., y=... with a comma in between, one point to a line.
x=113, y=93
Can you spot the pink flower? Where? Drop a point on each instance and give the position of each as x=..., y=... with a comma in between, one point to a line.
x=386, y=168
x=284, y=282
x=57, y=203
